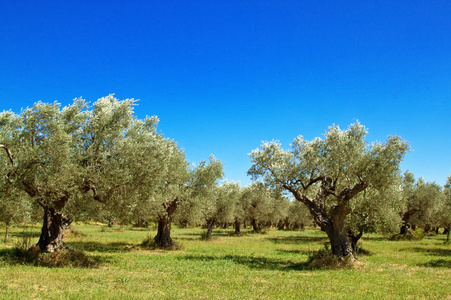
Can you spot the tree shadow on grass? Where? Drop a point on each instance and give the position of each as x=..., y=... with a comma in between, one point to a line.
x=62, y=259
x=436, y=252
x=197, y=238
x=25, y=234
x=437, y=263
x=259, y=263
x=216, y=232
x=298, y=239
x=100, y=247
x=375, y=238
x=301, y=251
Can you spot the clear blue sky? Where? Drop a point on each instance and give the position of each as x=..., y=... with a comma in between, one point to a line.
x=224, y=75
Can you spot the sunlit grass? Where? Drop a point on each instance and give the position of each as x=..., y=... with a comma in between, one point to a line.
x=268, y=266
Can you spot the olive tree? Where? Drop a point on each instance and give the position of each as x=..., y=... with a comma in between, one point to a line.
x=338, y=167
x=258, y=198
x=180, y=184
x=218, y=205
x=425, y=199
x=422, y=200
x=39, y=146
x=65, y=159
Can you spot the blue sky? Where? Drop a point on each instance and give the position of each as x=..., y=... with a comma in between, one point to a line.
x=224, y=75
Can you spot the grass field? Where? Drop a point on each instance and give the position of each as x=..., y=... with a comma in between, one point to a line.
x=267, y=266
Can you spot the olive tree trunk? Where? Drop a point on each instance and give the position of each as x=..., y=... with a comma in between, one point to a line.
x=354, y=239
x=8, y=224
x=51, y=238
x=237, y=227
x=337, y=233
x=255, y=226
x=334, y=221
x=210, y=225
x=163, y=238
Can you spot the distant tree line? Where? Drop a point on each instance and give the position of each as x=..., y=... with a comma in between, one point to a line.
x=100, y=163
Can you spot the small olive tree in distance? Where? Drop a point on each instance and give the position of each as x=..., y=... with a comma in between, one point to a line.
x=182, y=184
x=337, y=167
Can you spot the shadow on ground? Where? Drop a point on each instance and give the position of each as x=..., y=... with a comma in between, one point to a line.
x=436, y=251
x=298, y=239
x=100, y=247
x=25, y=234
x=375, y=238
x=61, y=259
x=437, y=263
x=259, y=263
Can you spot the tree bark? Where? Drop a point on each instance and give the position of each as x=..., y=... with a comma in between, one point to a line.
x=211, y=224
x=255, y=226
x=237, y=227
x=281, y=224
x=354, y=239
x=338, y=235
x=51, y=238
x=163, y=238
x=7, y=231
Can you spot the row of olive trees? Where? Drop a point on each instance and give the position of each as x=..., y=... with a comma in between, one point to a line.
x=84, y=160
x=427, y=205
x=101, y=162
x=255, y=205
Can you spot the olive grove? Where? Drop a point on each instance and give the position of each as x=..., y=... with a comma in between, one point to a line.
x=97, y=158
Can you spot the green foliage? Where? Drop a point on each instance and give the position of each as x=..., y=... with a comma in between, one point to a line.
x=298, y=215
x=425, y=202
x=342, y=155
x=377, y=211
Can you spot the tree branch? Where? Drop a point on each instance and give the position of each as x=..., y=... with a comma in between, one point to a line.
x=348, y=194
x=8, y=152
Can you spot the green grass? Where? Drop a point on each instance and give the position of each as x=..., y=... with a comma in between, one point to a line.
x=268, y=266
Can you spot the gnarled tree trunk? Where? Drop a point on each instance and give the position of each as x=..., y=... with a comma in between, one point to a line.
x=405, y=228
x=334, y=222
x=210, y=225
x=255, y=226
x=163, y=238
x=354, y=239
x=337, y=233
x=237, y=227
x=51, y=238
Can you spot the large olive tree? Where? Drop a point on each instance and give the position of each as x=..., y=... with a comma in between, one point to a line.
x=64, y=158
x=334, y=169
